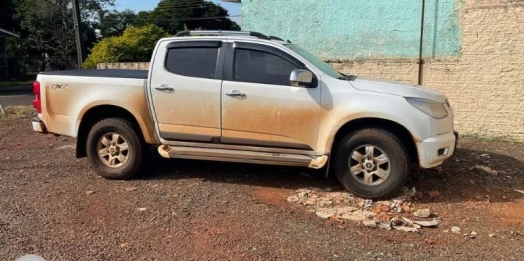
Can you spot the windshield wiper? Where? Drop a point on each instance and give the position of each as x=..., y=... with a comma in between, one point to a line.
x=347, y=77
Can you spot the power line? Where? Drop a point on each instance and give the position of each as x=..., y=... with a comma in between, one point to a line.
x=172, y=19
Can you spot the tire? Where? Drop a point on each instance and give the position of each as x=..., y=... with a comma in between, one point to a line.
x=123, y=163
x=366, y=180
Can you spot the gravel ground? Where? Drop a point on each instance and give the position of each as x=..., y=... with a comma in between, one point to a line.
x=53, y=205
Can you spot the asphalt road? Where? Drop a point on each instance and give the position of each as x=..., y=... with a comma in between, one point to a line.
x=16, y=98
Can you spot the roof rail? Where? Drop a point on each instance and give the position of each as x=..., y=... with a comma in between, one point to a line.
x=220, y=32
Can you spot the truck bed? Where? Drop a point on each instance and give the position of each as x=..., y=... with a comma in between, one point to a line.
x=110, y=73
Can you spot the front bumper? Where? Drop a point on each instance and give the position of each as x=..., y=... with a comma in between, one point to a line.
x=38, y=125
x=435, y=150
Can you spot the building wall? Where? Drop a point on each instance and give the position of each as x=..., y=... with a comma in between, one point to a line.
x=474, y=49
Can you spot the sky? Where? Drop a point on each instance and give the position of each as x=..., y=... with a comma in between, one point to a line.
x=139, y=5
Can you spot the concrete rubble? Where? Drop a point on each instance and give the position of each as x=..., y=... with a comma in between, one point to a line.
x=389, y=214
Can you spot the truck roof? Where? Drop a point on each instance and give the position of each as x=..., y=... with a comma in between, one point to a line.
x=230, y=34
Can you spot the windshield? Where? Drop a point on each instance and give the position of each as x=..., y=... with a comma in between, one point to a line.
x=321, y=65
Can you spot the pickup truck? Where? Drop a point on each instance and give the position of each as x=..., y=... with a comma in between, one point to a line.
x=240, y=96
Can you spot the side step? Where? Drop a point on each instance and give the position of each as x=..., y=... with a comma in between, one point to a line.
x=243, y=156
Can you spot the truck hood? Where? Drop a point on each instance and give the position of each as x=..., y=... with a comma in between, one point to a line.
x=396, y=88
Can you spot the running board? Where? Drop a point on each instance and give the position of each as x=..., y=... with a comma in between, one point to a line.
x=242, y=156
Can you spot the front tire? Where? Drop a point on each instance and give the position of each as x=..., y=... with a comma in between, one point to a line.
x=371, y=163
x=114, y=149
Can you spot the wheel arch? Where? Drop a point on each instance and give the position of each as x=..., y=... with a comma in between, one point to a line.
x=96, y=114
x=404, y=135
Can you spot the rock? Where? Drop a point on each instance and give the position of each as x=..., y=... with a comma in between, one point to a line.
x=89, y=192
x=122, y=245
x=359, y=215
x=142, y=209
x=131, y=189
x=369, y=223
x=405, y=229
x=432, y=223
x=328, y=189
x=473, y=234
x=326, y=212
x=30, y=258
x=434, y=193
x=485, y=169
x=519, y=191
x=292, y=199
x=384, y=225
x=310, y=201
x=484, y=155
x=384, y=208
x=302, y=194
x=455, y=229
x=345, y=210
x=422, y=213
x=492, y=235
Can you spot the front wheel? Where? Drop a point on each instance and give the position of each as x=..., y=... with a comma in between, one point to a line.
x=114, y=149
x=371, y=163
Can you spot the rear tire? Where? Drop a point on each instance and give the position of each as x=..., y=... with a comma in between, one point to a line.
x=114, y=149
x=371, y=163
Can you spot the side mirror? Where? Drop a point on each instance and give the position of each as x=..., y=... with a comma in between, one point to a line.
x=301, y=78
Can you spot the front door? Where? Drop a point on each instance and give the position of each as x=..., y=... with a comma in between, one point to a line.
x=185, y=90
x=259, y=105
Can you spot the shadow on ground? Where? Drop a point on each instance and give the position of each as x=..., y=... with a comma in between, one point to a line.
x=457, y=180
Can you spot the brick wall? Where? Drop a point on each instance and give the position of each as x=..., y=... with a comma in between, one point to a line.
x=485, y=83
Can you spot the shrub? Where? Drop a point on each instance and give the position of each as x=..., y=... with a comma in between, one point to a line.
x=135, y=45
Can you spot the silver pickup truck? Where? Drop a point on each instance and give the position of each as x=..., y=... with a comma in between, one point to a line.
x=251, y=98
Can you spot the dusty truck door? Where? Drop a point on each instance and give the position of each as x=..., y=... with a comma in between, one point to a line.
x=260, y=107
x=185, y=90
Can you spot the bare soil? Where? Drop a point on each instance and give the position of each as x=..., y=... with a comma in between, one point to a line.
x=54, y=205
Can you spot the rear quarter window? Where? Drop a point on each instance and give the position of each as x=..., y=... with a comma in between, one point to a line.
x=197, y=62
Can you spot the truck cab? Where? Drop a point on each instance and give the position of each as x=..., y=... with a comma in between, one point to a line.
x=246, y=97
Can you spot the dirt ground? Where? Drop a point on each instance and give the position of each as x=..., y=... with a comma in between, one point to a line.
x=53, y=205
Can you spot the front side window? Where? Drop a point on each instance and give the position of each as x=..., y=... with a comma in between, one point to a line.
x=262, y=67
x=197, y=62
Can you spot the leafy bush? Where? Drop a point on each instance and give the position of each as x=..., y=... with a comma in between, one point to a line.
x=135, y=45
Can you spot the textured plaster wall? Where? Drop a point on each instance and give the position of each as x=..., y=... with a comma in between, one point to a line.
x=356, y=29
x=481, y=72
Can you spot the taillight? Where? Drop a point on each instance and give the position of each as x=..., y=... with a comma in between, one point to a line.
x=37, y=103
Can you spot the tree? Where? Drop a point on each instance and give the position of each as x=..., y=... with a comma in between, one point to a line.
x=135, y=45
x=172, y=15
x=47, y=27
x=113, y=23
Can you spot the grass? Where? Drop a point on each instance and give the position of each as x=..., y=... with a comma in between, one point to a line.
x=17, y=112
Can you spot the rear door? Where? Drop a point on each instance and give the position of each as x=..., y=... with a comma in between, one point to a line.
x=185, y=90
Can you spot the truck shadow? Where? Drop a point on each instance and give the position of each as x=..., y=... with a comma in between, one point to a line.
x=469, y=175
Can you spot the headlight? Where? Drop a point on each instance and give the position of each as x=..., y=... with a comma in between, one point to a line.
x=433, y=109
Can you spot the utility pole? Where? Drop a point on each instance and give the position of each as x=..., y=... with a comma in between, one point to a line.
x=78, y=33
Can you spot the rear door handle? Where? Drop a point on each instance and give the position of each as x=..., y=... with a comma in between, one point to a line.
x=235, y=93
x=164, y=88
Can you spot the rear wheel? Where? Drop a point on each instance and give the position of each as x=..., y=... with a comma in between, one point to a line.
x=114, y=149
x=371, y=163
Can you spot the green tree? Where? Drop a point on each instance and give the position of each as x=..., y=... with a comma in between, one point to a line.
x=135, y=45
x=47, y=28
x=171, y=15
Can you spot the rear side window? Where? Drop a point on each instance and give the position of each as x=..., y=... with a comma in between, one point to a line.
x=262, y=67
x=200, y=62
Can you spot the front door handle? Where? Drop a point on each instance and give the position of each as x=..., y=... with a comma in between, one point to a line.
x=235, y=93
x=164, y=88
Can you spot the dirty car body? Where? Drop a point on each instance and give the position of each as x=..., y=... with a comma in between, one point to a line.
x=245, y=97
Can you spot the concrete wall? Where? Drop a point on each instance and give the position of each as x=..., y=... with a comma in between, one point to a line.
x=481, y=71
x=357, y=29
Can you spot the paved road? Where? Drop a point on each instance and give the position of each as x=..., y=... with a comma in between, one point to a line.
x=16, y=98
